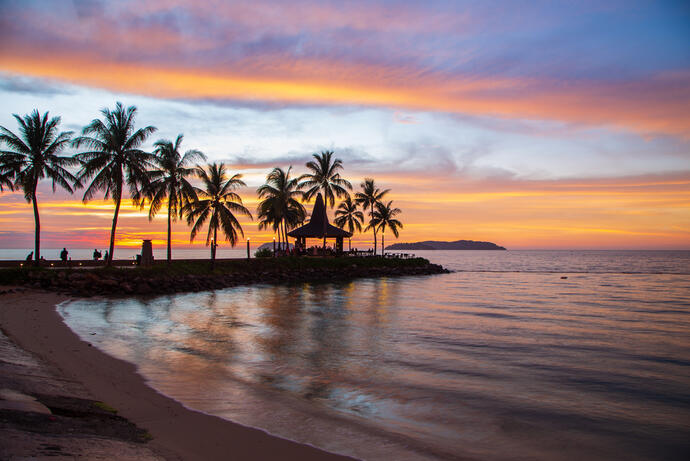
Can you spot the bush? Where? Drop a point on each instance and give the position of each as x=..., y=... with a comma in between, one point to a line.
x=264, y=253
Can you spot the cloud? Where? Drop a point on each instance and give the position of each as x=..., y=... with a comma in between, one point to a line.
x=24, y=84
x=458, y=58
x=646, y=211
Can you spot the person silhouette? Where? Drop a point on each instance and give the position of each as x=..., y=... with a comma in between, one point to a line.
x=96, y=254
x=106, y=256
x=63, y=255
x=30, y=256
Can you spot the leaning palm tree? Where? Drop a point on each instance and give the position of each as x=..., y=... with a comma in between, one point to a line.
x=113, y=158
x=217, y=204
x=324, y=177
x=32, y=156
x=169, y=181
x=368, y=198
x=382, y=217
x=348, y=215
x=280, y=207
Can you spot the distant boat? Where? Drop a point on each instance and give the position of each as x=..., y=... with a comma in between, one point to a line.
x=440, y=245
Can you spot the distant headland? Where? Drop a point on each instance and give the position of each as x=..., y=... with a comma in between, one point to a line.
x=437, y=245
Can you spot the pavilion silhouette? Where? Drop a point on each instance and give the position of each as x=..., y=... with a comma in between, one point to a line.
x=317, y=225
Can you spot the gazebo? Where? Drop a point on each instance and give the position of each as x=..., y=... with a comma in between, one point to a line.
x=318, y=223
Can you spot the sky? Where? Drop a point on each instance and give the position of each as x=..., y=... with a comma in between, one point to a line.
x=531, y=124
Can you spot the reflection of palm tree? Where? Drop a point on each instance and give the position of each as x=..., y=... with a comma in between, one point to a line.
x=170, y=182
x=280, y=207
x=324, y=177
x=347, y=215
x=384, y=216
x=368, y=198
x=33, y=156
x=114, y=159
x=217, y=204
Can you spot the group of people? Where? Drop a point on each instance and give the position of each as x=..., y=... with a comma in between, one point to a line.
x=64, y=254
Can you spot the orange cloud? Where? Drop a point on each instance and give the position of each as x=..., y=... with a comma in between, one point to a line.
x=658, y=105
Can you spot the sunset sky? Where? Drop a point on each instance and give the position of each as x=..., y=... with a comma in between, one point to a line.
x=535, y=124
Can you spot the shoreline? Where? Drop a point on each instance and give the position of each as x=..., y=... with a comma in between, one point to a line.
x=192, y=276
x=30, y=319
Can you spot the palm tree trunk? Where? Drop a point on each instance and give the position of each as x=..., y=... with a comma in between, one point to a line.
x=372, y=217
x=37, y=232
x=383, y=242
x=169, y=232
x=349, y=244
x=280, y=236
x=213, y=247
x=283, y=238
x=112, y=230
x=287, y=242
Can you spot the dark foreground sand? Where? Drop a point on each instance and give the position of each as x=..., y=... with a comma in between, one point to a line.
x=30, y=320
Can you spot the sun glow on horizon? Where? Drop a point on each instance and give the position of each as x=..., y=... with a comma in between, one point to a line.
x=548, y=214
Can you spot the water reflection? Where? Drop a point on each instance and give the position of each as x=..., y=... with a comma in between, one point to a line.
x=478, y=365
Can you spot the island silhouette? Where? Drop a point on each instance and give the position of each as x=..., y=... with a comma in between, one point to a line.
x=441, y=245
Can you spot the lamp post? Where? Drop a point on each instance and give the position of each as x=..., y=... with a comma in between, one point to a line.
x=247, y=248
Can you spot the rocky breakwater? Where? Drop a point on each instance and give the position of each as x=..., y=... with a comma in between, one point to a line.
x=158, y=280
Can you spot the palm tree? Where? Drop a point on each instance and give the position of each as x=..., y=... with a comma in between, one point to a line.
x=217, y=204
x=324, y=177
x=382, y=217
x=114, y=158
x=280, y=207
x=170, y=181
x=348, y=215
x=32, y=156
x=368, y=198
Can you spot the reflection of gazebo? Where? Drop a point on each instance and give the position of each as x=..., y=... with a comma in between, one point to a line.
x=316, y=226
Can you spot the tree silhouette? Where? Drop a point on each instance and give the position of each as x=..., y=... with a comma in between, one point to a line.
x=216, y=203
x=32, y=156
x=114, y=158
x=368, y=198
x=324, y=177
x=280, y=207
x=348, y=215
x=169, y=181
x=384, y=217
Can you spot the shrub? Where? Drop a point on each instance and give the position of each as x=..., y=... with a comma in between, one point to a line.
x=264, y=253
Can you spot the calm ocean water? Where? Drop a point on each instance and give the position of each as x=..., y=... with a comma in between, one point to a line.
x=503, y=359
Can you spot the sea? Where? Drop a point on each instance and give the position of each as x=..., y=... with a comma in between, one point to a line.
x=515, y=355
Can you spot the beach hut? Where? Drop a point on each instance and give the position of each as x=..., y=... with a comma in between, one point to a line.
x=318, y=223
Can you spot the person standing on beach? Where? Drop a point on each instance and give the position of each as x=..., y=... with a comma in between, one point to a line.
x=30, y=257
x=63, y=255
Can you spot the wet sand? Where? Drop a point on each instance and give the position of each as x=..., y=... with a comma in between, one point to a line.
x=30, y=320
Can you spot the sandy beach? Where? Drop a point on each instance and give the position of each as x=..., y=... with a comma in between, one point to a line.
x=30, y=320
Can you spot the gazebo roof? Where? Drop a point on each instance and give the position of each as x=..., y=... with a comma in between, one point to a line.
x=314, y=228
